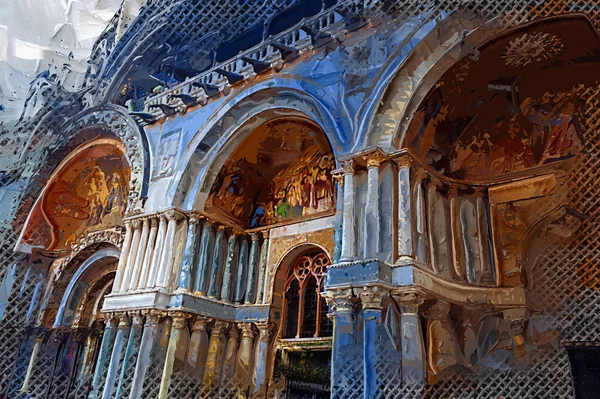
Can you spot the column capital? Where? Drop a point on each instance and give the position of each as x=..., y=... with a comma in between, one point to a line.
x=179, y=319
x=110, y=318
x=136, y=223
x=374, y=159
x=264, y=330
x=338, y=176
x=200, y=324
x=348, y=167
x=174, y=214
x=124, y=319
x=233, y=331
x=153, y=222
x=339, y=300
x=247, y=331
x=410, y=301
x=221, y=227
x=218, y=327
x=194, y=218
x=372, y=298
x=265, y=234
x=137, y=317
x=404, y=161
x=254, y=236
x=153, y=316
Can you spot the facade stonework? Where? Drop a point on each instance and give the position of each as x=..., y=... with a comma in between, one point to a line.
x=309, y=199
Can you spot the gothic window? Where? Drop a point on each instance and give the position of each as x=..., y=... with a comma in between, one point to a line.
x=305, y=308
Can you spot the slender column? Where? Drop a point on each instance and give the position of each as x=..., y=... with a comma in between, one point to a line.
x=168, y=253
x=261, y=359
x=371, y=233
x=157, y=253
x=216, y=263
x=104, y=356
x=371, y=304
x=123, y=257
x=190, y=253
x=198, y=347
x=139, y=257
x=339, y=217
x=135, y=241
x=178, y=341
x=455, y=227
x=488, y=271
x=115, y=359
x=413, y=344
x=227, y=274
x=345, y=350
x=419, y=233
x=230, y=356
x=214, y=360
x=32, y=360
x=252, y=265
x=150, y=338
x=442, y=343
x=205, y=256
x=405, y=243
x=137, y=321
x=348, y=228
x=240, y=280
x=147, y=262
x=245, y=358
x=262, y=271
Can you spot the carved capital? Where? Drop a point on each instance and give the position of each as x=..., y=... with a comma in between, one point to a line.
x=348, y=167
x=124, y=319
x=338, y=176
x=173, y=214
x=194, y=218
x=154, y=316
x=264, y=331
x=179, y=319
x=404, y=161
x=265, y=234
x=137, y=318
x=218, y=327
x=340, y=301
x=154, y=222
x=371, y=298
x=200, y=324
x=233, y=332
x=254, y=236
x=409, y=301
x=136, y=223
x=110, y=318
x=247, y=331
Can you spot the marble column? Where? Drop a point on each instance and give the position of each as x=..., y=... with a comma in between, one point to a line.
x=346, y=353
x=123, y=257
x=158, y=250
x=106, y=346
x=168, y=253
x=177, y=348
x=419, y=230
x=339, y=217
x=131, y=352
x=216, y=352
x=205, y=257
x=245, y=358
x=240, y=280
x=442, y=343
x=371, y=233
x=348, y=228
x=405, y=241
x=116, y=356
x=32, y=360
x=261, y=360
x=229, y=361
x=135, y=241
x=262, y=271
x=217, y=261
x=487, y=273
x=150, y=339
x=411, y=336
x=198, y=348
x=456, y=234
x=371, y=298
x=147, y=262
x=228, y=273
x=189, y=254
x=252, y=266
x=139, y=256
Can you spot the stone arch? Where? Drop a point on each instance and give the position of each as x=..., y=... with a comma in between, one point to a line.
x=102, y=121
x=214, y=143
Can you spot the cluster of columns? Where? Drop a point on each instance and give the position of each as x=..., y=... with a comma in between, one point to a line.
x=217, y=352
x=361, y=342
x=191, y=253
x=438, y=223
x=223, y=264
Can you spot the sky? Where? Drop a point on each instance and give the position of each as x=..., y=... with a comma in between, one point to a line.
x=35, y=33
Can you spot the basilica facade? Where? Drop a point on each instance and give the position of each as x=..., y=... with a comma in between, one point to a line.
x=309, y=199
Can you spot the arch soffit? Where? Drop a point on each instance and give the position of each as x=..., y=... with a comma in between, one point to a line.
x=233, y=122
x=410, y=81
x=110, y=252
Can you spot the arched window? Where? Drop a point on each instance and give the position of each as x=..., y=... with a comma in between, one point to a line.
x=305, y=307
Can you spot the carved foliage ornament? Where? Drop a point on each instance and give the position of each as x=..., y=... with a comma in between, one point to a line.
x=532, y=48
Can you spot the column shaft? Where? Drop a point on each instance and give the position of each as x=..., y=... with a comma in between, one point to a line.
x=217, y=260
x=104, y=356
x=139, y=256
x=116, y=357
x=371, y=232
x=189, y=255
x=261, y=360
x=244, y=358
x=405, y=242
x=205, y=257
x=178, y=341
x=135, y=241
x=227, y=274
x=240, y=280
x=158, y=250
x=214, y=360
x=150, y=337
x=252, y=266
x=262, y=271
x=147, y=262
x=168, y=253
x=123, y=258
x=348, y=228
x=131, y=353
